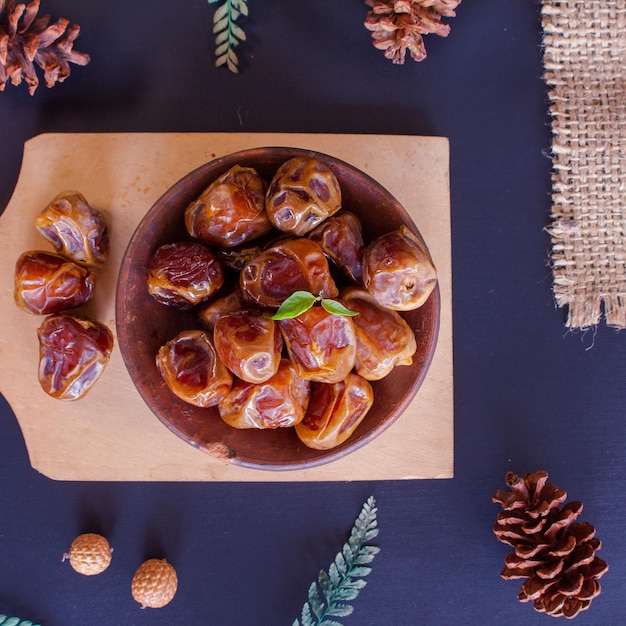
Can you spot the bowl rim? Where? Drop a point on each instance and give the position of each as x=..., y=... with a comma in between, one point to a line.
x=217, y=166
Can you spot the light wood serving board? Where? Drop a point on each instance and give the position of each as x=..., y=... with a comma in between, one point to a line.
x=110, y=435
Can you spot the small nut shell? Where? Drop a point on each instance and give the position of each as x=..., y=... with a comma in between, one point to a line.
x=89, y=554
x=154, y=584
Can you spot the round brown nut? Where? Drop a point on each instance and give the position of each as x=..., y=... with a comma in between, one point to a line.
x=154, y=584
x=89, y=554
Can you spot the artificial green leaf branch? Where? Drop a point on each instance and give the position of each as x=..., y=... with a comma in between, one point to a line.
x=15, y=621
x=228, y=34
x=301, y=301
x=344, y=579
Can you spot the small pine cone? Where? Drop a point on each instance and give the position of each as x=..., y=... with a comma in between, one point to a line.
x=27, y=40
x=154, y=584
x=89, y=554
x=398, y=26
x=552, y=551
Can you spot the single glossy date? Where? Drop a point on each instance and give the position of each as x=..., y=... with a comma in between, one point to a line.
x=184, y=274
x=341, y=239
x=192, y=369
x=289, y=266
x=47, y=283
x=230, y=210
x=334, y=412
x=302, y=193
x=73, y=353
x=321, y=345
x=383, y=338
x=76, y=230
x=249, y=344
x=398, y=270
x=280, y=402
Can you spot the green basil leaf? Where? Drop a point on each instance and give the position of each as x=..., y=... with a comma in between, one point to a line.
x=332, y=306
x=296, y=304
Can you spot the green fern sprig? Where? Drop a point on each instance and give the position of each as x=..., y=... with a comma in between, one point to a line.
x=15, y=621
x=228, y=34
x=344, y=579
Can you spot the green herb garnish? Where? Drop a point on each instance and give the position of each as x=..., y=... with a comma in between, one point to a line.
x=344, y=579
x=300, y=301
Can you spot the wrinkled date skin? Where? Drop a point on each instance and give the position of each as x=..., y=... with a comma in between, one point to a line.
x=280, y=402
x=249, y=344
x=341, y=239
x=383, y=338
x=192, y=369
x=334, y=412
x=303, y=193
x=46, y=283
x=321, y=345
x=279, y=271
x=76, y=230
x=230, y=210
x=210, y=312
x=237, y=257
x=73, y=353
x=398, y=270
x=184, y=274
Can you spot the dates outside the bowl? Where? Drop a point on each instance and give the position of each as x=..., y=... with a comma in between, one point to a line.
x=73, y=350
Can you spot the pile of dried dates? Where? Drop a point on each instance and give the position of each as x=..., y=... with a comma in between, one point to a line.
x=73, y=350
x=296, y=313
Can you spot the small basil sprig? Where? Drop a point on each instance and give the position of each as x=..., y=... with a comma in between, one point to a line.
x=300, y=301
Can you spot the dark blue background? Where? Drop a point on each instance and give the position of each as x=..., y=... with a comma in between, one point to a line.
x=529, y=394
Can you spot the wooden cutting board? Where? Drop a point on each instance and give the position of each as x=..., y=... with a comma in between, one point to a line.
x=110, y=435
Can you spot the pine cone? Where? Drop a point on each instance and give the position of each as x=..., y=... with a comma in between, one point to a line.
x=398, y=25
x=554, y=553
x=26, y=40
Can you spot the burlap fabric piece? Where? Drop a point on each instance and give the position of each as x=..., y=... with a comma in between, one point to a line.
x=584, y=61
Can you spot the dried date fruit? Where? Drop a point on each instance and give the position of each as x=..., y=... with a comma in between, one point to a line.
x=334, y=412
x=321, y=345
x=341, y=239
x=73, y=353
x=398, y=270
x=76, y=230
x=184, y=274
x=303, y=193
x=237, y=257
x=383, y=338
x=46, y=283
x=280, y=402
x=192, y=369
x=230, y=210
x=249, y=344
x=287, y=267
x=210, y=312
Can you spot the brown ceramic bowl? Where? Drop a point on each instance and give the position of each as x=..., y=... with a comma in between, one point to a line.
x=143, y=325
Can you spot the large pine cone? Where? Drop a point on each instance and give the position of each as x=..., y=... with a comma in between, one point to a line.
x=398, y=26
x=554, y=553
x=27, y=40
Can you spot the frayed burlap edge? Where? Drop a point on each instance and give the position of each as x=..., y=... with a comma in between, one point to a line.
x=584, y=46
